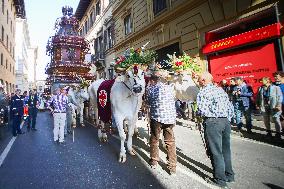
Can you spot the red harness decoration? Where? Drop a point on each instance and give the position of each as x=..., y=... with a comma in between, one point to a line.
x=104, y=106
x=103, y=98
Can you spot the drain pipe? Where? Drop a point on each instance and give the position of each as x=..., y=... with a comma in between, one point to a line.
x=280, y=46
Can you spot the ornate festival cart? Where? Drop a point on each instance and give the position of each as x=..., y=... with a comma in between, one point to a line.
x=67, y=52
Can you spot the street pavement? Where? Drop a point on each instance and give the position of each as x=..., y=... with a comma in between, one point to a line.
x=35, y=161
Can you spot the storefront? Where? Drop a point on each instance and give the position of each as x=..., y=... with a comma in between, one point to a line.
x=250, y=48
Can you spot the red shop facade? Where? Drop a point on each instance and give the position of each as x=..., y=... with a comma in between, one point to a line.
x=250, y=48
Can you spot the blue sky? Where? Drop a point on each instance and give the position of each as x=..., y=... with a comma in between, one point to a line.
x=41, y=17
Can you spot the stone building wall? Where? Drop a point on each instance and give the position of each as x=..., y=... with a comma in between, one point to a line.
x=7, y=47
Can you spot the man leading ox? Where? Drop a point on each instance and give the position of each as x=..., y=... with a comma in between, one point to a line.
x=161, y=100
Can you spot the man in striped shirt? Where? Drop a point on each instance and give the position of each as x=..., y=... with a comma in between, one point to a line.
x=59, y=101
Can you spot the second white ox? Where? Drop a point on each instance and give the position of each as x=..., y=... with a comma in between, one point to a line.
x=126, y=100
x=185, y=87
x=79, y=95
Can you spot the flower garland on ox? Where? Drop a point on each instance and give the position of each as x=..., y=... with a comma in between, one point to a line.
x=134, y=57
x=184, y=63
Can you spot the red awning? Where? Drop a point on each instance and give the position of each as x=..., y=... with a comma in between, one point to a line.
x=259, y=34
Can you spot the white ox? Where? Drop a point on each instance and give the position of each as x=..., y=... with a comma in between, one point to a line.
x=126, y=100
x=79, y=95
x=185, y=87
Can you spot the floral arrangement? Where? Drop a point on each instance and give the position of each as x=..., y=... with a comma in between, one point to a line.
x=134, y=56
x=184, y=63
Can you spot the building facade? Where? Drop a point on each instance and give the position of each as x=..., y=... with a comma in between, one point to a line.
x=193, y=25
x=218, y=31
x=9, y=11
x=32, y=59
x=22, y=55
x=97, y=26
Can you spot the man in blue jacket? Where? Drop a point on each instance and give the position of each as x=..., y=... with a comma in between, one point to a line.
x=17, y=108
x=242, y=94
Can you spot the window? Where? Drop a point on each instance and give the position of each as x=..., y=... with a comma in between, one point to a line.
x=10, y=67
x=94, y=14
x=11, y=26
x=159, y=6
x=2, y=34
x=7, y=17
x=7, y=87
x=127, y=24
x=110, y=40
x=86, y=27
x=3, y=6
x=98, y=8
x=10, y=47
x=170, y=49
x=1, y=59
x=7, y=42
x=91, y=19
x=99, y=47
x=6, y=64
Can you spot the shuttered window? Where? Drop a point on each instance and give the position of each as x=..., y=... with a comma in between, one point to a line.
x=159, y=6
x=98, y=8
x=127, y=24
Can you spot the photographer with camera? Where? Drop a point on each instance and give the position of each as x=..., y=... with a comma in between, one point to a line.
x=242, y=94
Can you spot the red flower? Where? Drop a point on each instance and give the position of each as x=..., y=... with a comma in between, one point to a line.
x=120, y=59
x=138, y=50
x=178, y=63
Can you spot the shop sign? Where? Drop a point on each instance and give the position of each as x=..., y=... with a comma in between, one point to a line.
x=243, y=38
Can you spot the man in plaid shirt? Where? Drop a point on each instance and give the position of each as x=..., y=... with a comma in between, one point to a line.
x=161, y=100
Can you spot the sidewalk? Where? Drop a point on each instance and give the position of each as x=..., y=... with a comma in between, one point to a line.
x=258, y=129
x=257, y=164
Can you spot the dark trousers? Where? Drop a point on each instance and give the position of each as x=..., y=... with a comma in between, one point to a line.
x=169, y=140
x=32, y=117
x=217, y=134
x=16, y=124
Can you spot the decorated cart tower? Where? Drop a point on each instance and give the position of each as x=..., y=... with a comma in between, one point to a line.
x=67, y=52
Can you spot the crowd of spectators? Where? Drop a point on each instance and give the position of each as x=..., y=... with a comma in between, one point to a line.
x=266, y=100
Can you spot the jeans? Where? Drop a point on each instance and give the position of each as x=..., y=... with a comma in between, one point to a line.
x=241, y=111
x=169, y=140
x=217, y=134
x=274, y=116
x=179, y=110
